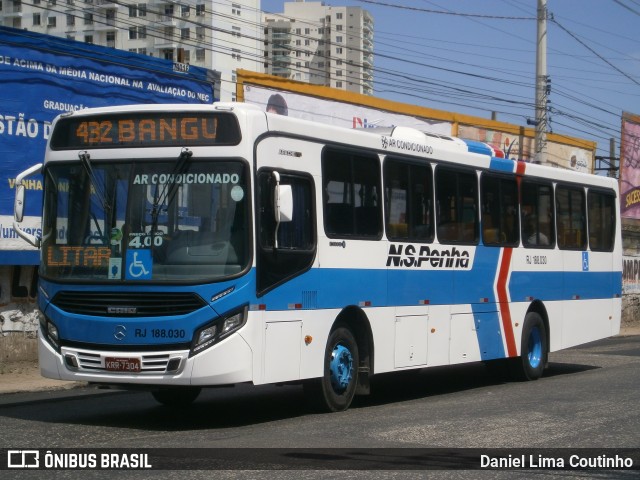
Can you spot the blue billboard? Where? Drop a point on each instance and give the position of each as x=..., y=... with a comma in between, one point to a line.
x=42, y=76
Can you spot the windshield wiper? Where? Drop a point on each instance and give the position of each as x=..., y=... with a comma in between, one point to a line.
x=85, y=159
x=169, y=187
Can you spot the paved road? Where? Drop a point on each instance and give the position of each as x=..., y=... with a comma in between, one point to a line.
x=587, y=399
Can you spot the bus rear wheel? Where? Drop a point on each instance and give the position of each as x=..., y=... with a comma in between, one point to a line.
x=534, y=349
x=176, y=397
x=334, y=391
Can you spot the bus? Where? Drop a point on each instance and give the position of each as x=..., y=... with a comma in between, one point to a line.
x=191, y=246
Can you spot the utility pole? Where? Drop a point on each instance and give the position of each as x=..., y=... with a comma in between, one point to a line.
x=542, y=85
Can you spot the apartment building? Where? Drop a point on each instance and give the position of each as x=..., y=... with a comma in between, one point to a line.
x=221, y=35
x=322, y=45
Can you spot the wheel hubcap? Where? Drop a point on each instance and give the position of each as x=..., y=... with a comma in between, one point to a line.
x=535, y=348
x=341, y=368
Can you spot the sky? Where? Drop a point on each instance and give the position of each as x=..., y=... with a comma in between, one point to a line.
x=478, y=56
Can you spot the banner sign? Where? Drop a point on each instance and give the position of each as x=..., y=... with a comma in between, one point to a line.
x=42, y=76
x=336, y=113
x=630, y=274
x=630, y=166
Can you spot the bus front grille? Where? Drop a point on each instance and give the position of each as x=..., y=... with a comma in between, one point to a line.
x=151, y=363
x=128, y=304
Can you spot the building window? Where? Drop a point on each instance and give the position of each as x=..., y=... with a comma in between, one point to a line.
x=199, y=10
x=88, y=20
x=71, y=20
x=200, y=33
x=338, y=16
x=200, y=54
x=185, y=33
x=111, y=39
x=184, y=10
x=51, y=22
x=339, y=39
x=36, y=19
x=339, y=50
x=88, y=39
x=137, y=33
x=139, y=10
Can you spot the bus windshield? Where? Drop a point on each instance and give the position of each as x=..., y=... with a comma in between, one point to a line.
x=184, y=220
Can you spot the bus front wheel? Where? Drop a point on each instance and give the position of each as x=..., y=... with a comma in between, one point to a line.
x=176, y=397
x=334, y=391
x=534, y=349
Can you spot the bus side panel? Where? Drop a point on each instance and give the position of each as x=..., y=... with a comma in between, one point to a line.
x=589, y=293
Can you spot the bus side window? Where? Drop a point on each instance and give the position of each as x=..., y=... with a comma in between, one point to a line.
x=536, y=211
x=352, y=194
x=499, y=210
x=408, y=201
x=571, y=218
x=457, y=203
x=602, y=220
x=296, y=239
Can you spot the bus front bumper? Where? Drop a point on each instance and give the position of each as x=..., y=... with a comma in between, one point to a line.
x=227, y=362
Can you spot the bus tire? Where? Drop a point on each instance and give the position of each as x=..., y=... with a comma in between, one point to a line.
x=334, y=391
x=534, y=349
x=176, y=397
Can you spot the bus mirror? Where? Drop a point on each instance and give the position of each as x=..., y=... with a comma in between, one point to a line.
x=18, y=206
x=284, y=203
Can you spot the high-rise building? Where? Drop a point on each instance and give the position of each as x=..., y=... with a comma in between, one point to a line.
x=221, y=35
x=320, y=44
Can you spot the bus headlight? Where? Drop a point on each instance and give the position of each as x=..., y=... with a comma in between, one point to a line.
x=50, y=332
x=220, y=328
x=232, y=323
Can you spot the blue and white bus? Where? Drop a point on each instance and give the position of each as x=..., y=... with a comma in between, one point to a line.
x=190, y=246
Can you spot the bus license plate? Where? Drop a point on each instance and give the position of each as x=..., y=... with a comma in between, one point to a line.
x=119, y=364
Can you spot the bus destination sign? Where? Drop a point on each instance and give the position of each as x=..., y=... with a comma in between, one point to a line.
x=152, y=129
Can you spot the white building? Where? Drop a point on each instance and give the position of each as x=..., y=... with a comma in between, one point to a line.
x=221, y=35
x=319, y=44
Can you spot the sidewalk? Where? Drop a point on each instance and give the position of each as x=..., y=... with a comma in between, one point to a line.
x=22, y=377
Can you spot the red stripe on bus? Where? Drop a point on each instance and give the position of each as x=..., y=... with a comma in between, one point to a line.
x=503, y=300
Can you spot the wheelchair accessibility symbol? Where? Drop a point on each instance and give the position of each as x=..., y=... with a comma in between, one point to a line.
x=138, y=265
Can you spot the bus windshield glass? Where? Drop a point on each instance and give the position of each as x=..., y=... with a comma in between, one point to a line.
x=180, y=221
